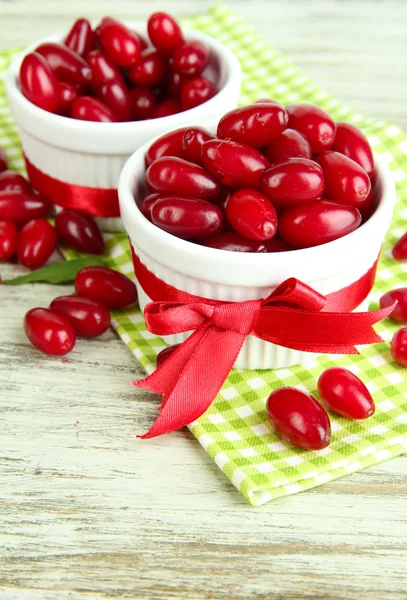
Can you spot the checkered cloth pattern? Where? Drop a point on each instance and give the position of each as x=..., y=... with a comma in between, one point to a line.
x=234, y=430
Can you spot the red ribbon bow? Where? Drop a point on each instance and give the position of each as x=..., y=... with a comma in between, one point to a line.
x=292, y=316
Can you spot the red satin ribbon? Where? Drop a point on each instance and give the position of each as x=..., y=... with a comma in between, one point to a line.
x=293, y=315
x=95, y=201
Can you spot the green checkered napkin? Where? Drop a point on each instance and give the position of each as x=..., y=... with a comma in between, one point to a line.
x=234, y=431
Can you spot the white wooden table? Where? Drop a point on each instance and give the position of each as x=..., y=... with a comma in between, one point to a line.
x=87, y=510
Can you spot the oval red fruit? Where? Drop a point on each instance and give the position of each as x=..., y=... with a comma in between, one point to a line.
x=171, y=175
x=22, y=206
x=196, y=91
x=68, y=93
x=88, y=317
x=115, y=95
x=166, y=108
x=293, y=182
x=149, y=71
x=142, y=104
x=164, y=32
x=345, y=394
x=49, y=332
x=79, y=231
x=317, y=223
x=255, y=125
x=190, y=58
x=87, y=108
x=111, y=288
x=169, y=144
x=399, y=251
x=252, y=215
x=351, y=142
x=39, y=83
x=8, y=240
x=36, y=242
x=193, y=140
x=11, y=181
x=289, y=144
x=398, y=347
x=187, y=218
x=102, y=68
x=399, y=313
x=235, y=165
x=66, y=64
x=81, y=38
x=345, y=180
x=299, y=418
x=314, y=123
x=121, y=45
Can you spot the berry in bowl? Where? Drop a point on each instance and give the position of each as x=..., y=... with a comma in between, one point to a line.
x=83, y=101
x=273, y=193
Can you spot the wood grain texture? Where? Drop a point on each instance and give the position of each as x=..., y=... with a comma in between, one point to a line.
x=87, y=511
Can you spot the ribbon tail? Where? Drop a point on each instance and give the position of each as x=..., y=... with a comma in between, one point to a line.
x=198, y=380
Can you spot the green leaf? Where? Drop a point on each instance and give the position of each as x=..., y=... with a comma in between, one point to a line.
x=62, y=272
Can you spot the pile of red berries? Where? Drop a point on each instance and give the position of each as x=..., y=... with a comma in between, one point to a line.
x=25, y=231
x=113, y=74
x=271, y=179
x=53, y=330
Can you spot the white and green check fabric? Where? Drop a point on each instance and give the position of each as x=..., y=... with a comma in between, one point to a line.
x=234, y=430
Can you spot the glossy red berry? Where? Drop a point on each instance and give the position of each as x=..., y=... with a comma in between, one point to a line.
x=79, y=231
x=115, y=95
x=88, y=317
x=399, y=251
x=142, y=104
x=3, y=161
x=169, y=144
x=121, y=45
x=314, y=123
x=317, y=223
x=193, y=140
x=351, y=142
x=187, y=218
x=109, y=287
x=10, y=181
x=22, y=206
x=87, y=108
x=102, y=68
x=252, y=215
x=233, y=242
x=66, y=64
x=293, y=182
x=276, y=244
x=345, y=394
x=171, y=175
x=255, y=125
x=36, y=242
x=399, y=313
x=8, y=240
x=175, y=83
x=149, y=71
x=191, y=58
x=68, y=93
x=147, y=205
x=345, y=180
x=81, y=38
x=164, y=33
x=164, y=354
x=398, y=347
x=196, y=91
x=166, y=108
x=299, y=418
x=39, y=83
x=49, y=332
x=289, y=144
x=235, y=165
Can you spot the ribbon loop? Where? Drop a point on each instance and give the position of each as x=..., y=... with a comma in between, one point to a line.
x=237, y=316
x=293, y=292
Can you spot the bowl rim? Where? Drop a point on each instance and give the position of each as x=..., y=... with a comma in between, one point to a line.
x=233, y=74
x=131, y=214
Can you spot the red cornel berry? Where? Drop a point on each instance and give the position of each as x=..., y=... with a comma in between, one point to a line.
x=345, y=394
x=298, y=418
x=398, y=347
x=109, y=287
x=49, y=332
x=88, y=317
x=255, y=125
x=399, y=250
x=399, y=313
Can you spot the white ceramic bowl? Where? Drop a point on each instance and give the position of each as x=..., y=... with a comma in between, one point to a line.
x=235, y=276
x=93, y=154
